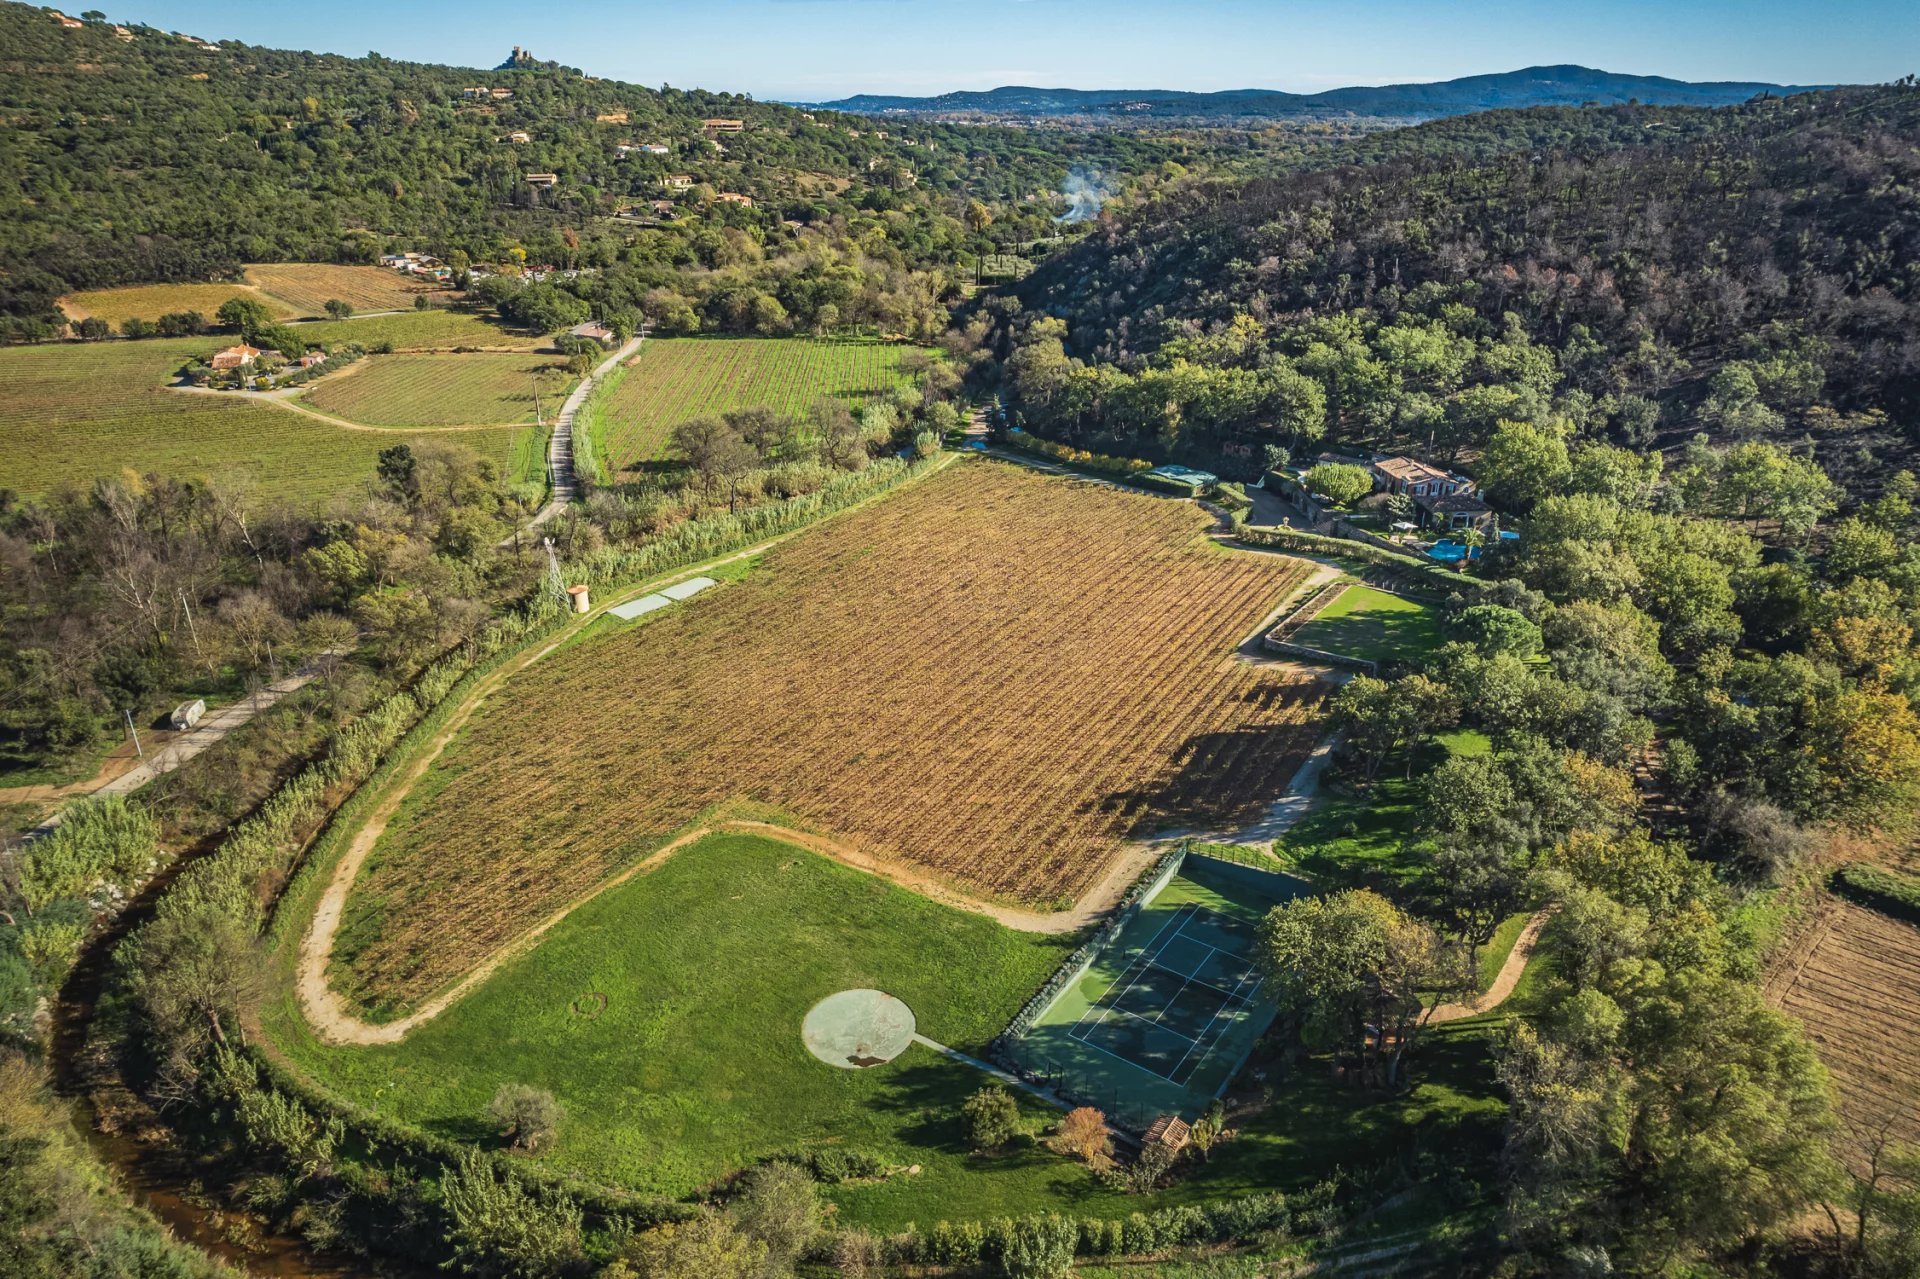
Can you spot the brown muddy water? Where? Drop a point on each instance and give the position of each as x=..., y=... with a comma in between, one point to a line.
x=186, y=1195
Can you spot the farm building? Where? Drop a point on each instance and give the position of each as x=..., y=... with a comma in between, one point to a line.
x=236, y=357
x=592, y=329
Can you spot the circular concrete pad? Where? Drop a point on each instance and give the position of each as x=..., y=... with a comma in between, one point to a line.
x=858, y=1028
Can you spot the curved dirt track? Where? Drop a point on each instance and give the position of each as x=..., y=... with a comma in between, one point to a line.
x=1503, y=985
x=335, y=1022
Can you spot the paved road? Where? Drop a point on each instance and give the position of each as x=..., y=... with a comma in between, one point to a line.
x=213, y=727
x=565, y=486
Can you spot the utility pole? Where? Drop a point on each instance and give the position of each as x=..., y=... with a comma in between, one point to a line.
x=555, y=583
x=539, y=418
x=188, y=610
x=133, y=733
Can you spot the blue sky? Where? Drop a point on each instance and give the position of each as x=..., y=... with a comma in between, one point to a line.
x=821, y=49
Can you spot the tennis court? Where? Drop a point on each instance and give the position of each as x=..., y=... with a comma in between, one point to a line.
x=1165, y=1015
x=1192, y=983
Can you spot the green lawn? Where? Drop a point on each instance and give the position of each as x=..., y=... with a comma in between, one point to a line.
x=695, y=1068
x=1374, y=625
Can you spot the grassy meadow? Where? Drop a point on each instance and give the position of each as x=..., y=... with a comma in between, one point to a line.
x=694, y=1066
x=71, y=412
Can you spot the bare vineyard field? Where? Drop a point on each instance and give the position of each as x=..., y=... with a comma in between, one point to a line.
x=994, y=676
x=478, y=388
x=436, y=330
x=307, y=287
x=1854, y=984
x=72, y=412
x=151, y=301
x=676, y=379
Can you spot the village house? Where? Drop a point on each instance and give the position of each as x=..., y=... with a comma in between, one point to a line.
x=1413, y=478
x=311, y=359
x=236, y=357
x=656, y=148
x=500, y=95
x=475, y=91
x=734, y=197
x=1443, y=499
x=724, y=126
x=519, y=135
x=593, y=329
x=71, y=23
x=677, y=182
x=543, y=179
x=664, y=207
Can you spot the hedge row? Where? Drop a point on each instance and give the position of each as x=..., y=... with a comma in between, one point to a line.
x=1887, y=891
x=1243, y=1218
x=1101, y=462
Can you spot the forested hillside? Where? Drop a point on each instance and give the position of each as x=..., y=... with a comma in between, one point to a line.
x=1643, y=274
x=132, y=155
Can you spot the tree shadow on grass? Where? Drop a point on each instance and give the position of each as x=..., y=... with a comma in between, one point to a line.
x=475, y=1130
x=930, y=1096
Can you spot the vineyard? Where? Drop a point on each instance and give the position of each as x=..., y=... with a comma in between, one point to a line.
x=72, y=412
x=436, y=330
x=996, y=677
x=307, y=287
x=1852, y=985
x=674, y=380
x=151, y=301
x=476, y=389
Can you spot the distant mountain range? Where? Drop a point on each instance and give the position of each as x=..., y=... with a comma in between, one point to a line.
x=1531, y=87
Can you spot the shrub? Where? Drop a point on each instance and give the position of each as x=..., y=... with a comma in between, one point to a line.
x=97, y=841
x=1341, y=483
x=833, y=1164
x=528, y=1116
x=993, y=1117
x=1039, y=1247
x=1083, y=1132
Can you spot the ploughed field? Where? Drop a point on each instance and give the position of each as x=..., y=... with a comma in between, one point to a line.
x=1852, y=985
x=71, y=412
x=994, y=676
x=470, y=389
x=673, y=380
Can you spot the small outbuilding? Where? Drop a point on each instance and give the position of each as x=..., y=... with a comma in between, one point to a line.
x=1170, y=1131
x=581, y=602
